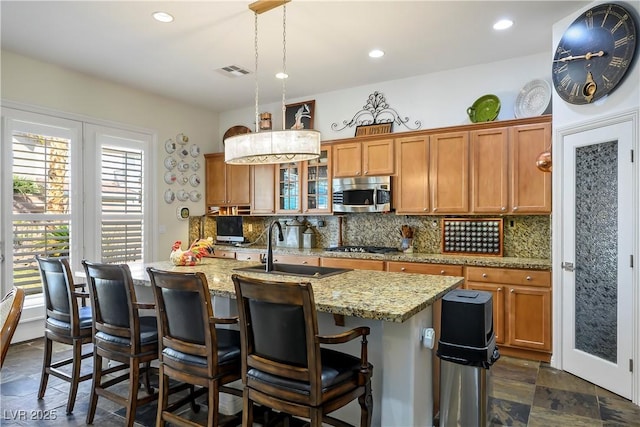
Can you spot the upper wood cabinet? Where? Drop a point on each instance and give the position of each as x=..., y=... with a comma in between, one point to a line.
x=530, y=187
x=263, y=189
x=226, y=185
x=504, y=176
x=433, y=174
x=363, y=158
x=289, y=187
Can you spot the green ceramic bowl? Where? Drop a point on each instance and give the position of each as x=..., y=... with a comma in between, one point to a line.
x=485, y=109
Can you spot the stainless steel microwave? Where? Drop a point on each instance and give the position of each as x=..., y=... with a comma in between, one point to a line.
x=362, y=194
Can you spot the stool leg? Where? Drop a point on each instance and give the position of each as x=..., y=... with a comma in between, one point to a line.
x=134, y=378
x=97, y=380
x=46, y=363
x=163, y=398
x=75, y=374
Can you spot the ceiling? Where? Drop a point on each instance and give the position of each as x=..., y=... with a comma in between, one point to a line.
x=327, y=42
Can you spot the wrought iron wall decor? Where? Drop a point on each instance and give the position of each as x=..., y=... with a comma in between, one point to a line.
x=376, y=111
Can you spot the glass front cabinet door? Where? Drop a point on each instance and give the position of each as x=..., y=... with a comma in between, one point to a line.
x=317, y=187
x=289, y=187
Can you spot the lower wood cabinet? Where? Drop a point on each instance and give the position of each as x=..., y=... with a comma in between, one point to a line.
x=356, y=264
x=422, y=268
x=521, y=308
x=297, y=259
x=221, y=253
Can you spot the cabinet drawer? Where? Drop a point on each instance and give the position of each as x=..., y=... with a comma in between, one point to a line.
x=224, y=254
x=357, y=264
x=248, y=256
x=509, y=276
x=422, y=268
x=296, y=259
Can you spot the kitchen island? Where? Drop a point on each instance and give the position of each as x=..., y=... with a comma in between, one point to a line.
x=397, y=307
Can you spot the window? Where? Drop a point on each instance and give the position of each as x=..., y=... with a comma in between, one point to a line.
x=66, y=203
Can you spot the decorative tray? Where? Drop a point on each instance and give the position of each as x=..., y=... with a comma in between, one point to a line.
x=472, y=236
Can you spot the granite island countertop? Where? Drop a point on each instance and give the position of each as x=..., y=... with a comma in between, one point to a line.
x=385, y=296
x=470, y=260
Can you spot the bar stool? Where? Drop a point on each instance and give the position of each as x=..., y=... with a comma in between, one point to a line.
x=10, y=311
x=283, y=365
x=65, y=322
x=192, y=348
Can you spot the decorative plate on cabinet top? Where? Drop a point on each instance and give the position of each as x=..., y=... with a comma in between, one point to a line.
x=533, y=99
x=235, y=130
x=484, y=109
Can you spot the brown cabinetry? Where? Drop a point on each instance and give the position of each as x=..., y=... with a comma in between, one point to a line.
x=490, y=170
x=226, y=185
x=433, y=174
x=422, y=268
x=296, y=259
x=363, y=158
x=289, y=188
x=521, y=308
x=356, y=264
x=316, y=184
x=263, y=189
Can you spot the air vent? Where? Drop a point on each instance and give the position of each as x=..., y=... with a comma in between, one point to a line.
x=233, y=71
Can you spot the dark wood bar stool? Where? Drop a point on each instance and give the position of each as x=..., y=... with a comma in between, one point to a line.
x=65, y=322
x=283, y=365
x=10, y=311
x=192, y=349
x=119, y=334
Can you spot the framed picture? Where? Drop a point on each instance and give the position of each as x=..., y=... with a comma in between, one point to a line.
x=300, y=115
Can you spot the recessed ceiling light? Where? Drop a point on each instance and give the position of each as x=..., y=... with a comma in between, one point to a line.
x=282, y=76
x=376, y=53
x=503, y=24
x=162, y=17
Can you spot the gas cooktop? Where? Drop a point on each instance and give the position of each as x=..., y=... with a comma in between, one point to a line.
x=363, y=249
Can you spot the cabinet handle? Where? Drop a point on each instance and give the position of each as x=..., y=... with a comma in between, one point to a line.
x=402, y=269
x=276, y=260
x=304, y=262
x=484, y=275
x=435, y=209
x=499, y=290
x=515, y=208
x=425, y=209
x=529, y=278
x=357, y=173
x=366, y=172
x=511, y=290
x=503, y=209
x=441, y=271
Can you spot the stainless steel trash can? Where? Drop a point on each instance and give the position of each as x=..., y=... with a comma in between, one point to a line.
x=467, y=349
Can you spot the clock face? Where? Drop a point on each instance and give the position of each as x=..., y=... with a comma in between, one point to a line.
x=594, y=54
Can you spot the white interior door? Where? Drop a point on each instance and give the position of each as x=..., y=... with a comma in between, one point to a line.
x=598, y=228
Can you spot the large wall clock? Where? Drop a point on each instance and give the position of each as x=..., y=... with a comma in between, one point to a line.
x=594, y=54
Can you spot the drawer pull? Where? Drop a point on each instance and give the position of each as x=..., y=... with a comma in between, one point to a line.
x=529, y=278
x=484, y=275
x=499, y=290
x=402, y=269
x=511, y=290
x=304, y=262
x=442, y=271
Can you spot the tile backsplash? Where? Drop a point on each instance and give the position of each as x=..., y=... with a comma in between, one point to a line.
x=524, y=236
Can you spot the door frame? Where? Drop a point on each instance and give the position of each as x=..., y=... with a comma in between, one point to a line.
x=632, y=116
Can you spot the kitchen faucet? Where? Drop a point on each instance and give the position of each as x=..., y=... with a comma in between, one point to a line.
x=269, y=264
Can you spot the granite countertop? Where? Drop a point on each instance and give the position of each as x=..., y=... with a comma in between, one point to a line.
x=390, y=297
x=480, y=261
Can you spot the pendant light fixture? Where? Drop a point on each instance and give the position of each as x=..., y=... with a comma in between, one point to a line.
x=274, y=146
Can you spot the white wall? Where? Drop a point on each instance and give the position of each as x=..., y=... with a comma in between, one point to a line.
x=40, y=84
x=438, y=99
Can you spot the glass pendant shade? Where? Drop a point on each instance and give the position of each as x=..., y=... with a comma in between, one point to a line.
x=280, y=146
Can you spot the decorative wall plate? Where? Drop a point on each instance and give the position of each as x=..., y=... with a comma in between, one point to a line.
x=170, y=177
x=194, y=150
x=183, y=179
x=195, y=165
x=183, y=166
x=182, y=195
x=169, y=196
x=170, y=162
x=183, y=152
x=194, y=180
x=195, y=196
x=182, y=139
x=169, y=146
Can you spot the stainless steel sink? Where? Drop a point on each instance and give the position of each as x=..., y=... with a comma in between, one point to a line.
x=296, y=270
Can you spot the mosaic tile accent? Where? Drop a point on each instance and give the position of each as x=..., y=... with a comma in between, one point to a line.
x=596, y=210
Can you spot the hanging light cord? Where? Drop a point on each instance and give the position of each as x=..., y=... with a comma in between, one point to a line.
x=284, y=64
x=255, y=45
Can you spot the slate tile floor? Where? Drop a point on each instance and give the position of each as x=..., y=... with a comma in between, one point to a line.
x=524, y=393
